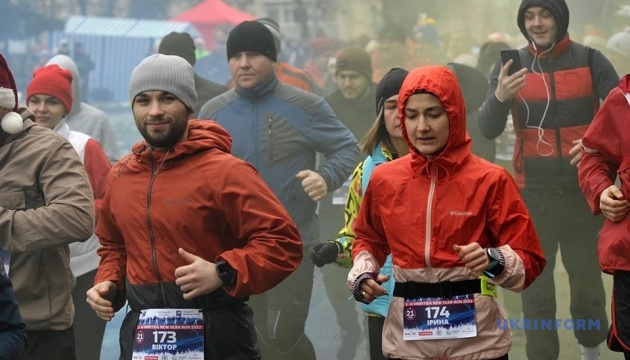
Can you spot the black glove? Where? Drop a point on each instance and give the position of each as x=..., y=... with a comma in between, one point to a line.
x=324, y=253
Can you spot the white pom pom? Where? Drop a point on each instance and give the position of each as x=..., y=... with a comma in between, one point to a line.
x=12, y=122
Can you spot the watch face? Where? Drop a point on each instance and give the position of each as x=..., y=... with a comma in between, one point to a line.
x=494, y=254
x=225, y=272
x=224, y=269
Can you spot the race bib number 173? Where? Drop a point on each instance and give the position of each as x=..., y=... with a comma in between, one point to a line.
x=169, y=334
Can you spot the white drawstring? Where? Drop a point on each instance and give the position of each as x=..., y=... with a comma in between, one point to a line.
x=541, y=131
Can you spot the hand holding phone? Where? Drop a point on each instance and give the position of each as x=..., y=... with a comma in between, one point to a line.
x=511, y=54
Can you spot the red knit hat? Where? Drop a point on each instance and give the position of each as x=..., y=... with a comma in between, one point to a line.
x=320, y=45
x=53, y=81
x=11, y=121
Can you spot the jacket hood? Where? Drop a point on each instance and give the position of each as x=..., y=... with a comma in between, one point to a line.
x=65, y=62
x=558, y=8
x=440, y=81
x=624, y=85
x=202, y=135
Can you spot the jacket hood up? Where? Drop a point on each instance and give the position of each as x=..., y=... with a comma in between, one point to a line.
x=440, y=81
x=558, y=8
x=65, y=62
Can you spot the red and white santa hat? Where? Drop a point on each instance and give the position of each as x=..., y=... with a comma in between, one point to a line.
x=11, y=122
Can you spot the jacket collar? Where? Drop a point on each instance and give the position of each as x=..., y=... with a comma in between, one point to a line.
x=265, y=88
x=557, y=50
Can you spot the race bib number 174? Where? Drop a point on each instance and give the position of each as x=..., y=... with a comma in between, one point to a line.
x=439, y=318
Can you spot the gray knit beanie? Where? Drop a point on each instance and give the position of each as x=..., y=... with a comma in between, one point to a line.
x=169, y=73
x=273, y=26
x=620, y=43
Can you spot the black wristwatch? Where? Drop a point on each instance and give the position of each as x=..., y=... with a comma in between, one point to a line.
x=226, y=273
x=497, y=263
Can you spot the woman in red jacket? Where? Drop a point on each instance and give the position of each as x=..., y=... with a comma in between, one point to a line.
x=455, y=225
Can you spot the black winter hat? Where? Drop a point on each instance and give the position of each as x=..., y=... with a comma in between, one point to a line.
x=473, y=84
x=558, y=8
x=180, y=44
x=251, y=36
x=389, y=86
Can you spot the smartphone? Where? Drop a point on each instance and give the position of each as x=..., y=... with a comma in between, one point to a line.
x=511, y=54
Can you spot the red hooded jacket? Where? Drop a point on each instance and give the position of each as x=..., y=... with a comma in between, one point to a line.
x=418, y=208
x=606, y=155
x=199, y=197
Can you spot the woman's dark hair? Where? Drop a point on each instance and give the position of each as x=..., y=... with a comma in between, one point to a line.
x=377, y=134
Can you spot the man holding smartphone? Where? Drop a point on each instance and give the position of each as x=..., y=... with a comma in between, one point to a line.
x=514, y=56
x=553, y=99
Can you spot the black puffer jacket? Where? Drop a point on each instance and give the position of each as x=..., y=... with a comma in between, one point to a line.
x=12, y=328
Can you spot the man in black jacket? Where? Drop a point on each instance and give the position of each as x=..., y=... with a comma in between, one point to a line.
x=553, y=99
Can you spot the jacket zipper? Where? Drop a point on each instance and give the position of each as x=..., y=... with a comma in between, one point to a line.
x=427, y=233
x=150, y=230
x=552, y=81
x=255, y=138
x=270, y=134
x=520, y=157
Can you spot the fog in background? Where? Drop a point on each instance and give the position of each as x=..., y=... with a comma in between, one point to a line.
x=39, y=27
x=35, y=33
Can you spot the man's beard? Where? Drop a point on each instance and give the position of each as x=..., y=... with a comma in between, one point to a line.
x=166, y=139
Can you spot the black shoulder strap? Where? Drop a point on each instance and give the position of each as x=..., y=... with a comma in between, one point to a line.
x=589, y=58
x=589, y=55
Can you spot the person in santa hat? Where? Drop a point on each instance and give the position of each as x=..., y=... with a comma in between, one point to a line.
x=46, y=203
x=50, y=97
